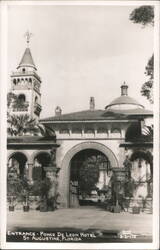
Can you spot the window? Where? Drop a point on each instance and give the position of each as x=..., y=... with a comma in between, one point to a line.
x=36, y=99
x=21, y=98
x=116, y=131
x=14, y=81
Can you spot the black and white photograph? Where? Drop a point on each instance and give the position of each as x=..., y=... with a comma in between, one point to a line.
x=81, y=163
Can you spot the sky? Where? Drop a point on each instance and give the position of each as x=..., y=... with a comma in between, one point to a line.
x=81, y=51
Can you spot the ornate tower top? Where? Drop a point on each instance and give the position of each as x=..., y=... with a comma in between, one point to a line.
x=25, y=84
x=28, y=36
x=27, y=60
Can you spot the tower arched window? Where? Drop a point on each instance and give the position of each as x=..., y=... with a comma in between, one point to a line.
x=21, y=99
x=36, y=99
x=30, y=80
x=23, y=70
x=14, y=81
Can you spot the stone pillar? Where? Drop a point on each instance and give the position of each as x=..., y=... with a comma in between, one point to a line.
x=82, y=131
x=95, y=131
x=109, y=130
x=30, y=170
x=119, y=178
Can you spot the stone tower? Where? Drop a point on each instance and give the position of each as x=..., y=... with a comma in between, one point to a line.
x=25, y=85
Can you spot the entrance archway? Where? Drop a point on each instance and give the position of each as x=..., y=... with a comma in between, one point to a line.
x=64, y=178
x=89, y=178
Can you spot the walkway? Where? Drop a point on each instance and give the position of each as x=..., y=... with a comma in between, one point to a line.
x=80, y=219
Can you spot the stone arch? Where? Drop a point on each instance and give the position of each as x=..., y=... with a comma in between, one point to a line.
x=10, y=155
x=17, y=160
x=34, y=154
x=146, y=155
x=22, y=98
x=65, y=175
x=40, y=159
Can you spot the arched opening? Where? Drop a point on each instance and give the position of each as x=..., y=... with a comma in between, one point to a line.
x=17, y=165
x=21, y=99
x=41, y=161
x=14, y=81
x=36, y=100
x=89, y=177
x=142, y=173
x=64, y=175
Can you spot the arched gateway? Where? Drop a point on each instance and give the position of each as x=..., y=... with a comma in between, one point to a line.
x=64, y=181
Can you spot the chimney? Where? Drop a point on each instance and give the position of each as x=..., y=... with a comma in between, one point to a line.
x=58, y=111
x=124, y=89
x=92, y=103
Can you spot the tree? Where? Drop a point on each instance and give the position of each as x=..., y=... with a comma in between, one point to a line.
x=11, y=97
x=22, y=124
x=19, y=125
x=89, y=175
x=147, y=87
x=145, y=15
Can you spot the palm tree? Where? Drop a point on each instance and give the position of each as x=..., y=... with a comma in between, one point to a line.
x=11, y=97
x=19, y=125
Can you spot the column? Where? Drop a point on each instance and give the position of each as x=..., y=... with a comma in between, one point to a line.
x=30, y=169
x=95, y=131
x=109, y=130
x=82, y=130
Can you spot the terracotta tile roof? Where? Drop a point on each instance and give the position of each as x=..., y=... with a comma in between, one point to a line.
x=89, y=115
x=30, y=140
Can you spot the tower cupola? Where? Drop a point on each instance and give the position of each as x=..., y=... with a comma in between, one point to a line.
x=27, y=61
x=25, y=85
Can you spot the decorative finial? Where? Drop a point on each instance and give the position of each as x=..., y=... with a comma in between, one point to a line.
x=28, y=36
x=92, y=103
x=124, y=88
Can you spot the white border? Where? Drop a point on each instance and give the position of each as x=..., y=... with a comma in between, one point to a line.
x=3, y=116
x=4, y=77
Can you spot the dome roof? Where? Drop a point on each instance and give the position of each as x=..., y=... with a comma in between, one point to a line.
x=124, y=101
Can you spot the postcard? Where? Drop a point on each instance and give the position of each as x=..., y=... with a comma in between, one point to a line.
x=79, y=124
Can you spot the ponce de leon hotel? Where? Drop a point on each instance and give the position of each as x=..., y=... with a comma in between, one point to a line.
x=114, y=134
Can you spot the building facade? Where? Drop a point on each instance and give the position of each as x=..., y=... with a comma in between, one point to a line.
x=116, y=140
